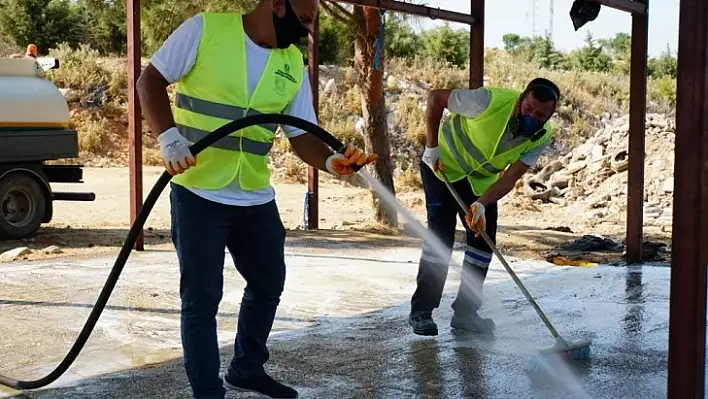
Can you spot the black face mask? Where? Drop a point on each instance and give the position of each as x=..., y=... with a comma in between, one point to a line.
x=288, y=29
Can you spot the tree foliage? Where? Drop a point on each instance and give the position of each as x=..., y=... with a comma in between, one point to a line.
x=43, y=22
x=609, y=55
x=101, y=24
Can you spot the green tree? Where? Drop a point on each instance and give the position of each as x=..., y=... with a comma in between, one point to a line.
x=619, y=49
x=108, y=33
x=544, y=54
x=160, y=17
x=400, y=39
x=336, y=38
x=539, y=50
x=663, y=66
x=42, y=22
x=618, y=46
x=447, y=44
x=590, y=57
x=515, y=44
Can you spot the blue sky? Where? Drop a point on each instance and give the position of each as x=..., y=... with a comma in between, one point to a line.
x=505, y=16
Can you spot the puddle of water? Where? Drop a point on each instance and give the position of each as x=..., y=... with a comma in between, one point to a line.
x=560, y=371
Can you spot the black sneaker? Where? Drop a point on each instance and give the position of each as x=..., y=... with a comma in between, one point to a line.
x=422, y=323
x=263, y=384
x=472, y=323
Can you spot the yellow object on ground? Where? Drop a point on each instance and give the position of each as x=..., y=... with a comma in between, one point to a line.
x=561, y=261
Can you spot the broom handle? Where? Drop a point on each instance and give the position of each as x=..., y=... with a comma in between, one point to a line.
x=513, y=275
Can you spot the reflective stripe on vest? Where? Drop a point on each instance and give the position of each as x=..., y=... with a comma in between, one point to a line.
x=212, y=95
x=453, y=128
x=470, y=147
x=223, y=111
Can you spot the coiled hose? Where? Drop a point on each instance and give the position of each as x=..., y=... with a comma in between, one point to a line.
x=137, y=226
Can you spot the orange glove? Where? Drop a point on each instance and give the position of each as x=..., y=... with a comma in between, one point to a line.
x=340, y=164
x=475, y=218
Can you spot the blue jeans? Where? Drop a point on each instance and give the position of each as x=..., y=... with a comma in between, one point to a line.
x=255, y=237
x=443, y=212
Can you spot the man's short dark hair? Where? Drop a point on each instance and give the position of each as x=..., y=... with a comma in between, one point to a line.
x=544, y=90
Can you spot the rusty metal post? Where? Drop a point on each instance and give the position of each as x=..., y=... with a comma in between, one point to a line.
x=313, y=58
x=135, y=134
x=637, y=117
x=477, y=44
x=689, y=255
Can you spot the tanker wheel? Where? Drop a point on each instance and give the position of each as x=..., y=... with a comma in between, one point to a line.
x=22, y=203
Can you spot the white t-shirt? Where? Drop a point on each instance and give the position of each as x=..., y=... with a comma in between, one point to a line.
x=176, y=58
x=472, y=102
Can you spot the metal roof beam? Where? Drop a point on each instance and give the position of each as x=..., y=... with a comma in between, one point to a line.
x=414, y=9
x=630, y=6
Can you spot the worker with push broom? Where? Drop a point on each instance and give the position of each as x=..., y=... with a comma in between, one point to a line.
x=227, y=66
x=490, y=139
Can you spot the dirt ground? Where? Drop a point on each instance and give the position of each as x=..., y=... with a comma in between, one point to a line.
x=82, y=229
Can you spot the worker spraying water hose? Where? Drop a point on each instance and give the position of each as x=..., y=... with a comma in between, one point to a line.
x=244, y=68
x=226, y=65
x=148, y=205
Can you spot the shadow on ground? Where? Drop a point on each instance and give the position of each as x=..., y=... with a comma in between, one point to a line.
x=520, y=240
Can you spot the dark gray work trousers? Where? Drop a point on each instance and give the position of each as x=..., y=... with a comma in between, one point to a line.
x=442, y=214
x=255, y=237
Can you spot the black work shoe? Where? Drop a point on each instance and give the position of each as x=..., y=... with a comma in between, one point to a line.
x=422, y=323
x=263, y=384
x=472, y=323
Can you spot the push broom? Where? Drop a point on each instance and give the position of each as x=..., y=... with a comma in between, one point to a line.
x=579, y=350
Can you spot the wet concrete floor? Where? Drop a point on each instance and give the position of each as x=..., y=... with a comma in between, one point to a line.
x=341, y=329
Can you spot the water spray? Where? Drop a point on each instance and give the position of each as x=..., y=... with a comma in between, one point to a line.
x=573, y=351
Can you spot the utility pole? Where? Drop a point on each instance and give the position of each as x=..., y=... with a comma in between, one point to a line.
x=533, y=17
x=550, y=25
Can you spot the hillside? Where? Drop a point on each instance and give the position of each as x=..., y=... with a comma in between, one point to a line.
x=578, y=188
x=96, y=89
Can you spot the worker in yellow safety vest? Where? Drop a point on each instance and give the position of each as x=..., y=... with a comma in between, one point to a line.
x=227, y=66
x=488, y=141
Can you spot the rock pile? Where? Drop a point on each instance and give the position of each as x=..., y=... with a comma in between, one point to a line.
x=595, y=173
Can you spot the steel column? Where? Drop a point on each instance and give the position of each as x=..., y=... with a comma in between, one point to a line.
x=637, y=117
x=477, y=44
x=135, y=134
x=689, y=257
x=313, y=58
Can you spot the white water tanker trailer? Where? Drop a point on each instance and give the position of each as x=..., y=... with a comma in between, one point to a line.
x=34, y=129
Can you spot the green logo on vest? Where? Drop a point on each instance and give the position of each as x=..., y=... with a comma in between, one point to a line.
x=285, y=74
x=280, y=75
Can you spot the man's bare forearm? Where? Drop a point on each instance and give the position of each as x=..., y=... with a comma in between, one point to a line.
x=504, y=185
x=154, y=101
x=437, y=101
x=312, y=150
x=496, y=191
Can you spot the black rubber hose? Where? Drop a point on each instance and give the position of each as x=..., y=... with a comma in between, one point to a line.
x=137, y=226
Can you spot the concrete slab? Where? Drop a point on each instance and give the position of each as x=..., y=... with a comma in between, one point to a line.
x=341, y=329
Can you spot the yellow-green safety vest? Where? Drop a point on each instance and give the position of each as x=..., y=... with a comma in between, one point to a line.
x=215, y=92
x=470, y=147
